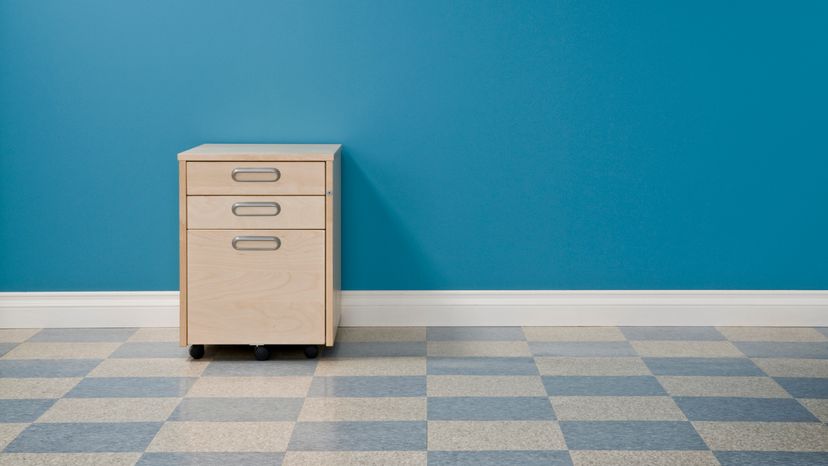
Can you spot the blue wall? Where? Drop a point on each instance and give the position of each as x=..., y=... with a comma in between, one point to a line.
x=488, y=144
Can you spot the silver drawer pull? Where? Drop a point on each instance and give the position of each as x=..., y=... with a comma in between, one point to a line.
x=268, y=243
x=257, y=205
x=274, y=173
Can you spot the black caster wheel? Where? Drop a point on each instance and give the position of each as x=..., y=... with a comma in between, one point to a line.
x=196, y=351
x=311, y=351
x=261, y=353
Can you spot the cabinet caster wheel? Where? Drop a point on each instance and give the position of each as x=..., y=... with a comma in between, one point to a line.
x=261, y=353
x=311, y=351
x=196, y=351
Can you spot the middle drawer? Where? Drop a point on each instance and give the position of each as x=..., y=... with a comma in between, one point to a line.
x=256, y=212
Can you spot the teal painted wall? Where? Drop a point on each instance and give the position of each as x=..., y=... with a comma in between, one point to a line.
x=488, y=144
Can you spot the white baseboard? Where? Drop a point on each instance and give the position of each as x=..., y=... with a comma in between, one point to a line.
x=451, y=308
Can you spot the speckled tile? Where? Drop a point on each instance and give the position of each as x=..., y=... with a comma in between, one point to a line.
x=581, y=334
x=9, y=432
x=494, y=435
x=376, y=349
x=355, y=458
x=156, y=334
x=131, y=387
x=363, y=409
x=60, y=350
x=458, y=349
x=252, y=368
x=616, y=408
x=744, y=409
x=672, y=333
x=763, y=436
x=84, y=334
x=256, y=387
x=211, y=459
x=643, y=458
x=591, y=366
x=804, y=387
x=474, y=333
x=631, y=435
x=477, y=385
x=389, y=334
x=237, y=409
x=110, y=410
x=6, y=347
x=158, y=367
x=753, y=387
x=368, y=386
x=84, y=437
x=489, y=409
x=154, y=349
x=686, y=349
x=46, y=368
x=222, y=437
x=36, y=388
x=372, y=366
x=359, y=436
x=765, y=349
x=16, y=335
x=817, y=406
x=69, y=459
x=481, y=366
x=789, y=367
x=771, y=458
x=791, y=334
x=582, y=348
x=641, y=385
x=499, y=458
x=703, y=366
x=23, y=410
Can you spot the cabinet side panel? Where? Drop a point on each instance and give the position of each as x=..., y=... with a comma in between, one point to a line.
x=332, y=279
x=182, y=260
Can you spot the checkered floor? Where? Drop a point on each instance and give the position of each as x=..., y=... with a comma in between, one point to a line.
x=437, y=396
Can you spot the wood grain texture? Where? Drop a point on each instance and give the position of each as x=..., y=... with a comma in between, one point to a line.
x=182, y=259
x=332, y=249
x=256, y=297
x=296, y=178
x=285, y=152
x=294, y=212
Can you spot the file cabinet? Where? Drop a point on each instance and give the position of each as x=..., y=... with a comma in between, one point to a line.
x=259, y=246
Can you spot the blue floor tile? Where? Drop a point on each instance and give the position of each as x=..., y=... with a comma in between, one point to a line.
x=744, y=409
x=131, y=387
x=85, y=437
x=6, y=347
x=499, y=458
x=211, y=459
x=582, y=348
x=83, y=334
x=822, y=330
x=672, y=333
x=489, y=409
x=766, y=349
x=631, y=435
x=359, y=436
x=38, y=368
x=376, y=349
x=474, y=333
x=23, y=410
x=238, y=409
x=771, y=458
x=703, y=366
x=359, y=386
x=804, y=387
x=481, y=366
x=603, y=386
x=160, y=349
x=273, y=368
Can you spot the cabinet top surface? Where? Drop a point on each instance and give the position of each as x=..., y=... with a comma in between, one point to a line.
x=286, y=152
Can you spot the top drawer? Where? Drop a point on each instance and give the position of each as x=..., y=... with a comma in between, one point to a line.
x=255, y=177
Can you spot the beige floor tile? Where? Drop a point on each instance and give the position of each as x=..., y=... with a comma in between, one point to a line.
x=10, y=431
x=494, y=435
x=355, y=458
x=616, y=408
x=784, y=367
x=591, y=366
x=771, y=334
x=69, y=459
x=750, y=387
x=371, y=334
x=478, y=385
x=372, y=366
x=251, y=387
x=222, y=436
x=640, y=458
x=54, y=350
x=479, y=348
x=817, y=406
x=36, y=387
x=686, y=349
x=573, y=334
x=764, y=436
x=155, y=334
x=15, y=335
x=110, y=410
x=149, y=367
x=364, y=409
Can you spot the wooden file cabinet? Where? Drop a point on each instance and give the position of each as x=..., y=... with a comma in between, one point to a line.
x=259, y=245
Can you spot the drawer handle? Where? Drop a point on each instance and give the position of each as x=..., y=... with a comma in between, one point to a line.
x=275, y=243
x=258, y=171
x=267, y=205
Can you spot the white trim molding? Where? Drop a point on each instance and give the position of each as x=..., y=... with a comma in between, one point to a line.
x=452, y=308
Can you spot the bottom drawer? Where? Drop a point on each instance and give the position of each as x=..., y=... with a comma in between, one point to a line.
x=256, y=286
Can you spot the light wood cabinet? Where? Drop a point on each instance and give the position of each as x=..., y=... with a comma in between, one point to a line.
x=259, y=245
